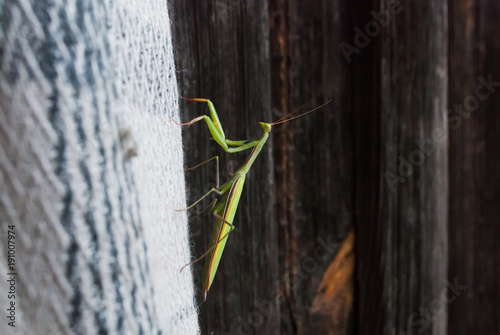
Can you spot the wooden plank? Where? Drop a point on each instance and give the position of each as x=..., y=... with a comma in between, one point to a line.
x=313, y=156
x=402, y=241
x=222, y=50
x=474, y=161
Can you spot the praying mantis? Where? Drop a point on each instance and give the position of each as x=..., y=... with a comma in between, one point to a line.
x=224, y=209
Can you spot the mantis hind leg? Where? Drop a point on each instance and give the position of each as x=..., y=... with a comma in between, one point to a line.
x=212, y=247
x=210, y=205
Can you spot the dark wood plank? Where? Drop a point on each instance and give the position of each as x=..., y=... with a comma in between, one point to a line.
x=474, y=174
x=222, y=50
x=402, y=221
x=313, y=155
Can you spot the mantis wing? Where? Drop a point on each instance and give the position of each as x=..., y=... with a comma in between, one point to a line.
x=225, y=208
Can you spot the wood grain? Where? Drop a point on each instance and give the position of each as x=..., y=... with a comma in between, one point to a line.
x=474, y=174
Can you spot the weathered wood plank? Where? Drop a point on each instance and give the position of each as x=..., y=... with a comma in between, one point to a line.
x=222, y=50
x=313, y=155
x=474, y=161
x=402, y=261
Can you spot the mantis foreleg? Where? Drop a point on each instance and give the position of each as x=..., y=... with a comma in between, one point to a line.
x=216, y=130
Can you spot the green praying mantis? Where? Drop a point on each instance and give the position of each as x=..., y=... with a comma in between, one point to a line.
x=224, y=209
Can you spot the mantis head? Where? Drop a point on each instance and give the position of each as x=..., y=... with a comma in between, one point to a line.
x=266, y=126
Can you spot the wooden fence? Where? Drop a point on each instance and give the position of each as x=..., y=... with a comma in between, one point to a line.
x=406, y=156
